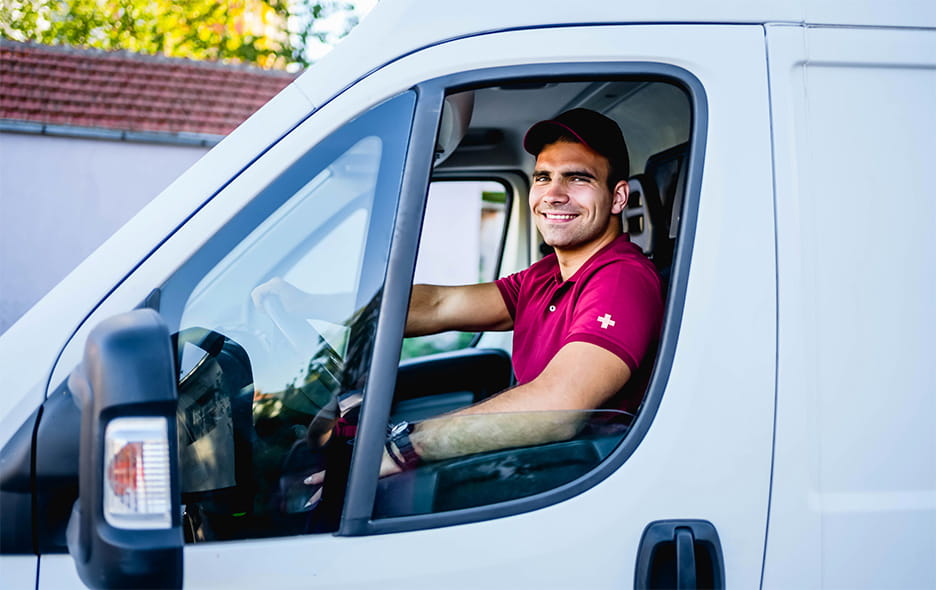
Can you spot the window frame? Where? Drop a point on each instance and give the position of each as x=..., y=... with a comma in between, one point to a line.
x=357, y=513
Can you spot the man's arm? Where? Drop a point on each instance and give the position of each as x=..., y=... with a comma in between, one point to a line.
x=581, y=376
x=552, y=407
x=466, y=308
x=432, y=308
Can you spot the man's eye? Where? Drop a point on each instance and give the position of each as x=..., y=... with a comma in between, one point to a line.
x=540, y=178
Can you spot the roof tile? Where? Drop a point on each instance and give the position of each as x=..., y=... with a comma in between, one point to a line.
x=127, y=91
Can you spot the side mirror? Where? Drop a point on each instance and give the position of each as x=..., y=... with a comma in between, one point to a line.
x=125, y=528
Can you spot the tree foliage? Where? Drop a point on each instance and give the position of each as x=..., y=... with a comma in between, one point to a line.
x=268, y=33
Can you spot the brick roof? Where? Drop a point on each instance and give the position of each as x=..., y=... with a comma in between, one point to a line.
x=129, y=92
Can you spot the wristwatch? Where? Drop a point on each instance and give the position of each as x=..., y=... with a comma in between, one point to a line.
x=399, y=446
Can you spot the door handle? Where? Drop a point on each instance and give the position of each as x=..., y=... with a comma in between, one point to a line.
x=682, y=554
x=685, y=559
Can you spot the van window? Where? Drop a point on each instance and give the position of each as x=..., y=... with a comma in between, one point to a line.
x=498, y=464
x=277, y=319
x=461, y=243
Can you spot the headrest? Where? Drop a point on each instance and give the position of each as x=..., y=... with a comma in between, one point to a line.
x=456, y=116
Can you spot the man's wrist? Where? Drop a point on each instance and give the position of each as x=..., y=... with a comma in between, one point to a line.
x=400, y=447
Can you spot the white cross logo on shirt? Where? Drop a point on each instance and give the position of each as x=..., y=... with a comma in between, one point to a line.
x=605, y=321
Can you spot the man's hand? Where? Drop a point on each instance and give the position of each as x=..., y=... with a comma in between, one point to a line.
x=320, y=432
x=292, y=299
x=331, y=307
x=314, y=481
x=322, y=427
x=387, y=465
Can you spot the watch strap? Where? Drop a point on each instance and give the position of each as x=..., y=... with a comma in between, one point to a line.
x=400, y=447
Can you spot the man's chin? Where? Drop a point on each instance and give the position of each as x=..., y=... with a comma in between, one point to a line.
x=559, y=244
x=569, y=243
x=554, y=238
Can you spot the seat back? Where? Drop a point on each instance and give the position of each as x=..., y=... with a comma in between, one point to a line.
x=643, y=215
x=666, y=172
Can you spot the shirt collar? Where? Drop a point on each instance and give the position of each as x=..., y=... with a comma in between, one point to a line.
x=557, y=273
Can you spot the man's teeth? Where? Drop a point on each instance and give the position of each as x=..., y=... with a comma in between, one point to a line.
x=558, y=216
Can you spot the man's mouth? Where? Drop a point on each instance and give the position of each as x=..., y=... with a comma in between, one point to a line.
x=559, y=216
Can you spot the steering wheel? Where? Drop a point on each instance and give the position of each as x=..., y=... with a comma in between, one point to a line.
x=295, y=349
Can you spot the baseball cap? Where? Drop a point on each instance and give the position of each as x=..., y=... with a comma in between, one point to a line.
x=590, y=128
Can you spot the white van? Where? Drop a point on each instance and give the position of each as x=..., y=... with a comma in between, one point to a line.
x=782, y=157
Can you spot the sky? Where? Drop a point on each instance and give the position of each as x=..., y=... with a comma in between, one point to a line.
x=315, y=49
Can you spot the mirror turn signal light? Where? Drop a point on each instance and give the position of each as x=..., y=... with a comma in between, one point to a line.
x=137, y=484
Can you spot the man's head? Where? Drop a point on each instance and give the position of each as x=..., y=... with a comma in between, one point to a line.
x=579, y=181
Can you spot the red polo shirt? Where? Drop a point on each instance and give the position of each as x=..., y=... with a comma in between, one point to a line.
x=613, y=301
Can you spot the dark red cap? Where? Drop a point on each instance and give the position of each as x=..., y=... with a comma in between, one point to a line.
x=588, y=127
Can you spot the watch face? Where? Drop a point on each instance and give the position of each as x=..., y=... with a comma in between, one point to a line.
x=399, y=428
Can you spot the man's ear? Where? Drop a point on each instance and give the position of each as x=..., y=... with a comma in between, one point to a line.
x=619, y=197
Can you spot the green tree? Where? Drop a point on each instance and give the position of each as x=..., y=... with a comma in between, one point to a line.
x=268, y=33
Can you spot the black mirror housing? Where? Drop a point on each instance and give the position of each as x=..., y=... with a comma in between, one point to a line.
x=127, y=371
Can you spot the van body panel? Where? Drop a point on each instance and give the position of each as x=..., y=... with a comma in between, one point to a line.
x=19, y=571
x=856, y=451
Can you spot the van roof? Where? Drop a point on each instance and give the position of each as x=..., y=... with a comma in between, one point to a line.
x=448, y=19
x=406, y=26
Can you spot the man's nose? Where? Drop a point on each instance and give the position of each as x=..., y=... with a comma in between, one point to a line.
x=555, y=193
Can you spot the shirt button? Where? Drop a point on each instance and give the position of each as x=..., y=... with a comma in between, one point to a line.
x=552, y=308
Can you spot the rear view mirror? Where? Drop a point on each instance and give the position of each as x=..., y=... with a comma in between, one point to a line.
x=125, y=528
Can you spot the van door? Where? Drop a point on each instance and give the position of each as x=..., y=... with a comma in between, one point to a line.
x=337, y=207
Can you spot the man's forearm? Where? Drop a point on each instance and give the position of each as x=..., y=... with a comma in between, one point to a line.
x=458, y=435
x=424, y=304
x=465, y=308
x=552, y=407
x=525, y=415
x=461, y=434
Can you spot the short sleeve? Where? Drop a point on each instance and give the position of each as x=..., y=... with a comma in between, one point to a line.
x=509, y=288
x=620, y=309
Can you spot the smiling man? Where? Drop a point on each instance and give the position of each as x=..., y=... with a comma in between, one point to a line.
x=585, y=318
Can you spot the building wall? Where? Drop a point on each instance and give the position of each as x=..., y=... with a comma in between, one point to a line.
x=62, y=197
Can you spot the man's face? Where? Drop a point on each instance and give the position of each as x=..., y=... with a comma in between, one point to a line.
x=570, y=200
